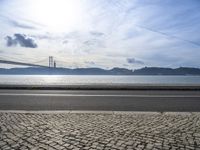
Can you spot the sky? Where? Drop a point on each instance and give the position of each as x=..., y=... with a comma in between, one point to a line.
x=101, y=33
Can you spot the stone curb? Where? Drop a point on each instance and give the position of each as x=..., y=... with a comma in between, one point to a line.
x=98, y=112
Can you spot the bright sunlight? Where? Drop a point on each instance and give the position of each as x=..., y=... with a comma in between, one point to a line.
x=57, y=15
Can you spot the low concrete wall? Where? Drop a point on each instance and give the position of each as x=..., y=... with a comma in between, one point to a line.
x=104, y=87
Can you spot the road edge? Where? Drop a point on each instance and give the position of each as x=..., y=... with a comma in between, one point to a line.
x=103, y=87
x=97, y=112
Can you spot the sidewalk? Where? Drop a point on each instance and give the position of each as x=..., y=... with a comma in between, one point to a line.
x=99, y=130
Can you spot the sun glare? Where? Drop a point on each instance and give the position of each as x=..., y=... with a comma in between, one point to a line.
x=57, y=15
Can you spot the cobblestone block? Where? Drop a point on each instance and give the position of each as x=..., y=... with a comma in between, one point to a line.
x=103, y=131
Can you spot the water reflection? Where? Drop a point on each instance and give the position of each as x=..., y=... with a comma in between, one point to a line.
x=75, y=79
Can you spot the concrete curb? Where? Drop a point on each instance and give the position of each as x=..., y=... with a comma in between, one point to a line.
x=99, y=112
x=103, y=87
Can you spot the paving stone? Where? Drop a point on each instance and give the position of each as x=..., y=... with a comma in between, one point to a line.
x=99, y=131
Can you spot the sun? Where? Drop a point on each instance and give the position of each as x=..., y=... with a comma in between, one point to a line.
x=57, y=15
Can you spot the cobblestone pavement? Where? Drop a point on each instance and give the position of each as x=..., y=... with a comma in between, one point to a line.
x=98, y=131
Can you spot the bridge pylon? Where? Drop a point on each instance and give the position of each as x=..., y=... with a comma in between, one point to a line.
x=51, y=63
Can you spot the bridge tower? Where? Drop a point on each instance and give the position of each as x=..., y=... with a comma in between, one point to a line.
x=51, y=62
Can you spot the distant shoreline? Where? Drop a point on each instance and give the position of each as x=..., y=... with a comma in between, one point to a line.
x=99, y=71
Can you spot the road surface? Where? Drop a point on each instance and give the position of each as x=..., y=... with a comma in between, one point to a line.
x=124, y=100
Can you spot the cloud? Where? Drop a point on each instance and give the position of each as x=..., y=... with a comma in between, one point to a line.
x=20, y=39
x=21, y=25
x=90, y=62
x=65, y=41
x=97, y=34
x=24, y=24
x=91, y=42
x=134, y=61
x=44, y=36
x=10, y=41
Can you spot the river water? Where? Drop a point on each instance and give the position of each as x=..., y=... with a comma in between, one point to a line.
x=94, y=79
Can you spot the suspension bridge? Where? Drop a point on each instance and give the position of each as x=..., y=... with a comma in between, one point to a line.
x=51, y=63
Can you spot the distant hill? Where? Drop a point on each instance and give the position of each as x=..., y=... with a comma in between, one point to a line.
x=167, y=71
x=99, y=71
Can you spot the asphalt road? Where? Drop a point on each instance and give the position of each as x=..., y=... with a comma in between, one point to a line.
x=124, y=100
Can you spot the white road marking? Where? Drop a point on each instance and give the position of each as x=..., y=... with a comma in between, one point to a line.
x=95, y=95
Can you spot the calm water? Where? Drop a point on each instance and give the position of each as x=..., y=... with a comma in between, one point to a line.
x=108, y=80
